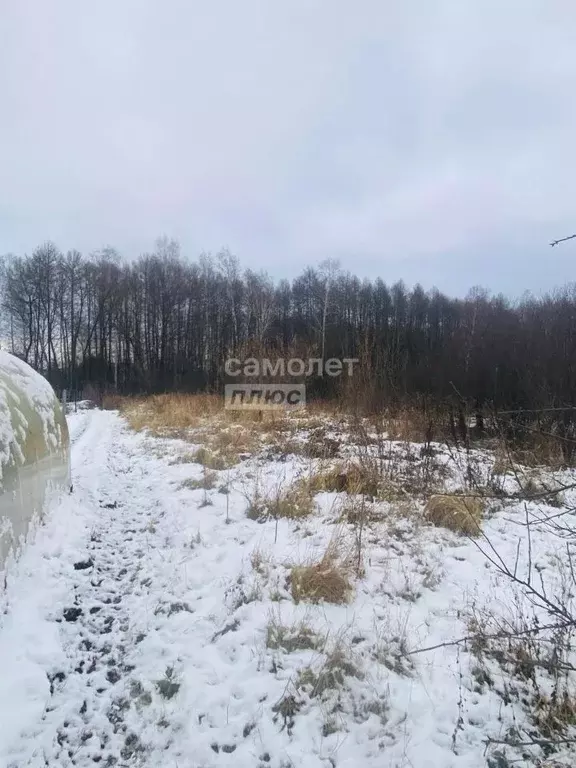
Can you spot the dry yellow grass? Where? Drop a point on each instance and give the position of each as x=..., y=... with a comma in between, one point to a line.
x=207, y=482
x=503, y=463
x=259, y=560
x=169, y=413
x=539, y=450
x=112, y=402
x=184, y=411
x=325, y=581
x=355, y=478
x=459, y=513
x=294, y=502
x=175, y=414
x=350, y=478
x=261, y=421
x=317, y=445
x=408, y=424
x=554, y=715
x=208, y=459
x=331, y=675
x=322, y=582
x=542, y=486
x=233, y=440
x=297, y=637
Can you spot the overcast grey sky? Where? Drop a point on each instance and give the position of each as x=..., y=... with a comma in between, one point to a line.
x=429, y=140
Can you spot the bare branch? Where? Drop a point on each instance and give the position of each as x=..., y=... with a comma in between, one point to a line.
x=562, y=239
x=495, y=636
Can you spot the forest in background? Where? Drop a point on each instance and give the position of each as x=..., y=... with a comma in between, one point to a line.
x=165, y=323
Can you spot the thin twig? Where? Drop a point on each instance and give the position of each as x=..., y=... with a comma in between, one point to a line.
x=561, y=240
x=495, y=636
x=529, y=545
x=537, y=410
x=533, y=742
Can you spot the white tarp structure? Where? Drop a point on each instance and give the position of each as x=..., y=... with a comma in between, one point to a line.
x=34, y=450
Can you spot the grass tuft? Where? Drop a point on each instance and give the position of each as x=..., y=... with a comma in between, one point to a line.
x=298, y=637
x=208, y=459
x=207, y=482
x=353, y=479
x=555, y=714
x=459, y=513
x=337, y=666
x=294, y=503
x=325, y=581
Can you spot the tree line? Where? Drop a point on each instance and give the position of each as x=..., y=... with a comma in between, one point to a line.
x=162, y=322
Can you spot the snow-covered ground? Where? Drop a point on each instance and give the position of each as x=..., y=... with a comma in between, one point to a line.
x=137, y=626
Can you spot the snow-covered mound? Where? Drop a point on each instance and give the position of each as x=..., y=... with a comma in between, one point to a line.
x=34, y=450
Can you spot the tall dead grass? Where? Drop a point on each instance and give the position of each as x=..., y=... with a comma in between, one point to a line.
x=174, y=412
x=169, y=413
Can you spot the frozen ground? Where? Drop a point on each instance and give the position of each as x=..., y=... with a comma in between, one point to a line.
x=137, y=627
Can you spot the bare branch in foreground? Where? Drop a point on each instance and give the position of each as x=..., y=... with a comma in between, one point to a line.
x=495, y=636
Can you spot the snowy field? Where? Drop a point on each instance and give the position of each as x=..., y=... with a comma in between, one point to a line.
x=160, y=618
